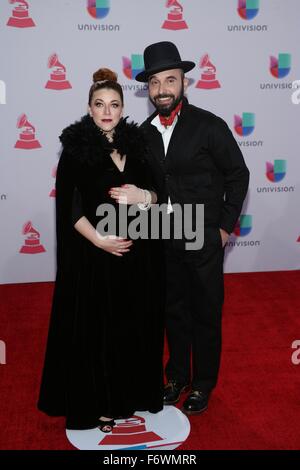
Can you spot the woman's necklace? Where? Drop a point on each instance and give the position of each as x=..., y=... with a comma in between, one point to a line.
x=108, y=134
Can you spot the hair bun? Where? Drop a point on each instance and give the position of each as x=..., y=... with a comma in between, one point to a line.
x=104, y=74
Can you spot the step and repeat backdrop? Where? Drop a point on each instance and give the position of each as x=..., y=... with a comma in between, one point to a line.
x=247, y=71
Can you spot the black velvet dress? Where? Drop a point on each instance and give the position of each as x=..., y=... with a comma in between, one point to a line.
x=105, y=341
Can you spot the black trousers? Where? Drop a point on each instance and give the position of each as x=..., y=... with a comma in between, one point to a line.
x=195, y=295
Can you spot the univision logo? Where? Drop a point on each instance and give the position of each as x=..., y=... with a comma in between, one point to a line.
x=280, y=66
x=98, y=8
x=243, y=226
x=244, y=125
x=133, y=66
x=248, y=9
x=276, y=171
x=242, y=229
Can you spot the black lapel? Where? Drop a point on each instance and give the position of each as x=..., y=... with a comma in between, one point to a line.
x=156, y=142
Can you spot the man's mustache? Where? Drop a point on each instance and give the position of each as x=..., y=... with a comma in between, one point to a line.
x=157, y=97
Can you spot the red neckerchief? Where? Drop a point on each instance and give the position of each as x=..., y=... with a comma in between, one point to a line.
x=168, y=121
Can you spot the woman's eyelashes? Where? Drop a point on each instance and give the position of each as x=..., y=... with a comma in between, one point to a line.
x=113, y=105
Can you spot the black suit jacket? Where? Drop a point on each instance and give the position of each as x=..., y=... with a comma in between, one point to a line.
x=203, y=165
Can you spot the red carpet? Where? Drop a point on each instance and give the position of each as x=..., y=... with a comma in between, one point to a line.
x=255, y=406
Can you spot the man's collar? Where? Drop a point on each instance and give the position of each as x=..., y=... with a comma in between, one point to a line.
x=160, y=127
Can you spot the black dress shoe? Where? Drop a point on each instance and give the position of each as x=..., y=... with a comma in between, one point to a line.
x=196, y=402
x=173, y=391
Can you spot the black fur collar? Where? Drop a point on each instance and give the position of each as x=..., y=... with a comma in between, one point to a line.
x=85, y=141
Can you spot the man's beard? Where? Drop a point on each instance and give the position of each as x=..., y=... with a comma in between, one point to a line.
x=166, y=110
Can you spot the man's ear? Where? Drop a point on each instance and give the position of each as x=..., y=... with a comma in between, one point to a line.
x=185, y=83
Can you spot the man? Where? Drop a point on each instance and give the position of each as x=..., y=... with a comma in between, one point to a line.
x=196, y=160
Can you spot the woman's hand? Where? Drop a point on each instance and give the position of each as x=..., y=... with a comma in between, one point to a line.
x=112, y=244
x=127, y=194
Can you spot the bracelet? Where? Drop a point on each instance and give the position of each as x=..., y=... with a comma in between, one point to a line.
x=147, y=200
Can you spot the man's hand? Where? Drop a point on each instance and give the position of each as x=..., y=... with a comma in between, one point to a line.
x=224, y=236
x=127, y=194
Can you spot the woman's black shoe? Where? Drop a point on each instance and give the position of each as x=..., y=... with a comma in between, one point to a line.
x=106, y=426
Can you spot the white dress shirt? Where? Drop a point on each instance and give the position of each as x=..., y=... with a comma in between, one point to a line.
x=166, y=133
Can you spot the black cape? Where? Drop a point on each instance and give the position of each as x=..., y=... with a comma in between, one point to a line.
x=105, y=341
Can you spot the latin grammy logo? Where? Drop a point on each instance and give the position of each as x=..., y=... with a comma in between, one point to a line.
x=32, y=241
x=58, y=76
x=20, y=15
x=131, y=432
x=27, y=140
x=165, y=430
x=53, y=174
x=175, y=19
x=208, y=79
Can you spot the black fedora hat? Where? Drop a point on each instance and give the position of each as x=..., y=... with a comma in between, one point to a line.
x=162, y=56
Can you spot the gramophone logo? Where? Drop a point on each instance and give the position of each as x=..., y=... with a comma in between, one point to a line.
x=133, y=66
x=98, y=8
x=280, y=67
x=208, y=79
x=53, y=174
x=248, y=9
x=32, y=243
x=276, y=171
x=175, y=19
x=165, y=430
x=58, y=75
x=27, y=140
x=20, y=15
x=244, y=125
x=243, y=226
x=131, y=432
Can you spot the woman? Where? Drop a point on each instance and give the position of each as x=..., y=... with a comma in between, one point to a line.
x=105, y=342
